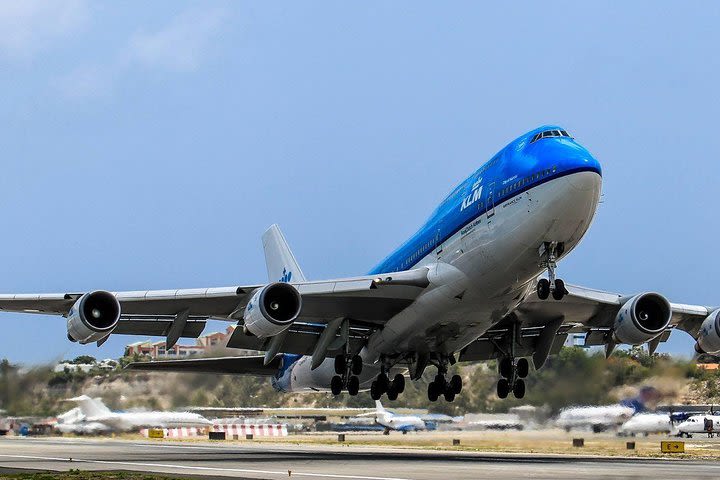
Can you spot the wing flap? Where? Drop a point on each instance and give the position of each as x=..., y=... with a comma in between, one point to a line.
x=222, y=365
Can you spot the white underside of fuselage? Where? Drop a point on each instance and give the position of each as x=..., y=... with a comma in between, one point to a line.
x=479, y=275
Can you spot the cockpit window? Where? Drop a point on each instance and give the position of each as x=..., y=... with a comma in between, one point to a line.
x=550, y=134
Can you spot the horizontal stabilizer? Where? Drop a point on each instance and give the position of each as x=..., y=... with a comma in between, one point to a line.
x=221, y=365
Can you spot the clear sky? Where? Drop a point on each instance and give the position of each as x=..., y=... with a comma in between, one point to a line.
x=148, y=145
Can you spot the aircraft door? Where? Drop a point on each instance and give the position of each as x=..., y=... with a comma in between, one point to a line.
x=490, y=202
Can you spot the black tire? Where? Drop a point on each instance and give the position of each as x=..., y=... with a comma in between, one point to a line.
x=356, y=365
x=353, y=386
x=559, y=290
x=433, y=392
x=519, y=388
x=383, y=383
x=505, y=367
x=375, y=392
x=336, y=385
x=543, y=289
x=522, y=367
x=456, y=384
x=340, y=365
x=392, y=394
x=398, y=383
x=449, y=395
x=503, y=388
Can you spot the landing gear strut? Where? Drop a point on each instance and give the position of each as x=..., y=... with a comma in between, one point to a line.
x=512, y=373
x=550, y=251
x=347, y=369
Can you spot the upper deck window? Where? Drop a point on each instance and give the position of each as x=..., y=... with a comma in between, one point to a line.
x=549, y=134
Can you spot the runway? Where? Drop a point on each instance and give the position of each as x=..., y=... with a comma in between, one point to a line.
x=266, y=461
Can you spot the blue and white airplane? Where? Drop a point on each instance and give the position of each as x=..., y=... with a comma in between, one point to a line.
x=465, y=288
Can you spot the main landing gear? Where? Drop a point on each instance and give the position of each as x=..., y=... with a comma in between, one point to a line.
x=550, y=251
x=347, y=369
x=512, y=373
x=440, y=386
x=383, y=385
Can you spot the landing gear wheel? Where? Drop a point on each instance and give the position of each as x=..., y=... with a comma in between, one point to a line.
x=340, y=364
x=522, y=368
x=506, y=367
x=503, y=388
x=543, y=289
x=353, y=386
x=383, y=383
x=398, y=383
x=559, y=291
x=336, y=385
x=456, y=384
x=519, y=388
x=356, y=365
x=433, y=392
x=392, y=394
x=449, y=396
x=375, y=392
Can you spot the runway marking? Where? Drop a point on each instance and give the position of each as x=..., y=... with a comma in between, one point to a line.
x=284, y=473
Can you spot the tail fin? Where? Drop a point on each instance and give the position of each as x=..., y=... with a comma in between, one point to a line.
x=91, y=407
x=379, y=408
x=280, y=261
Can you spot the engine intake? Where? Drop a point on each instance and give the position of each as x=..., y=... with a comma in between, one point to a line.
x=93, y=317
x=708, y=339
x=272, y=309
x=642, y=318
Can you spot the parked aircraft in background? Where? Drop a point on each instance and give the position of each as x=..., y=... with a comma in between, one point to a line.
x=400, y=423
x=598, y=419
x=464, y=288
x=92, y=416
x=647, y=423
x=709, y=424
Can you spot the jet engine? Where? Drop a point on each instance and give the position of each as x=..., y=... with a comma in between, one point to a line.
x=272, y=309
x=93, y=317
x=642, y=318
x=708, y=340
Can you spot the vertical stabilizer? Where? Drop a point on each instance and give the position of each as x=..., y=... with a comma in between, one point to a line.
x=280, y=261
x=91, y=407
x=379, y=408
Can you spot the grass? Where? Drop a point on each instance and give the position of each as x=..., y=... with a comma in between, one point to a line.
x=87, y=475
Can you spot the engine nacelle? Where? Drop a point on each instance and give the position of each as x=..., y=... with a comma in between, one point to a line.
x=272, y=309
x=93, y=317
x=708, y=340
x=642, y=318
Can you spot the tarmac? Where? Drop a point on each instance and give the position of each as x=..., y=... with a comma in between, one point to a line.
x=273, y=461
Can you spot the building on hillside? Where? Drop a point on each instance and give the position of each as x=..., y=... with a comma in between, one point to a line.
x=157, y=349
x=708, y=366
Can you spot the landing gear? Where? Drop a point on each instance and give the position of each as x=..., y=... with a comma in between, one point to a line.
x=383, y=385
x=512, y=373
x=549, y=252
x=440, y=386
x=347, y=369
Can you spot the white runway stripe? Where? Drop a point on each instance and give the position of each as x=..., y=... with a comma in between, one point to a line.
x=283, y=473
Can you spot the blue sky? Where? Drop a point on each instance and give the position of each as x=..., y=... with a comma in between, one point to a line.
x=149, y=146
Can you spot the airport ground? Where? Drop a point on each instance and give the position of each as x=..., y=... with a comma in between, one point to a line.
x=530, y=454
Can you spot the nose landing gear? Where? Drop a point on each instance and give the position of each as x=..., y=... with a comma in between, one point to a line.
x=549, y=251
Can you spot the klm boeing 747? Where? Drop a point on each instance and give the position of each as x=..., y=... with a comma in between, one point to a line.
x=478, y=281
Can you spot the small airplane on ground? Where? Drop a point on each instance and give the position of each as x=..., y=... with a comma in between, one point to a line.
x=92, y=416
x=400, y=423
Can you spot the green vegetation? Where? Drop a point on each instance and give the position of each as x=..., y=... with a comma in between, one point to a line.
x=575, y=376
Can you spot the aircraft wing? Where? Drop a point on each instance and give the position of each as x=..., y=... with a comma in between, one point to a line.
x=544, y=324
x=367, y=302
x=251, y=365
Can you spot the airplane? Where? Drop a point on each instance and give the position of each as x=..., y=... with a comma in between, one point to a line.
x=598, y=419
x=400, y=423
x=647, y=423
x=468, y=286
x=92, y=416
x=709, y=424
